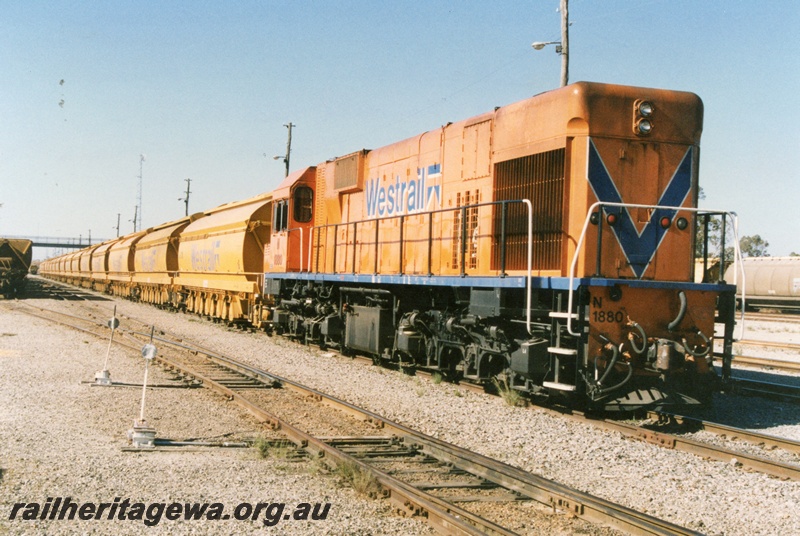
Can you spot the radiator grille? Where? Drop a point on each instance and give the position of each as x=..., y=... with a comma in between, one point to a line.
x=540, y=178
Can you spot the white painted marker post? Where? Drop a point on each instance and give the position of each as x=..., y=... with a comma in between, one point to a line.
x=142, y=435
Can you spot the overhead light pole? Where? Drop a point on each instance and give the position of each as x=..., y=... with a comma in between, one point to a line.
x=135, y=213
x=288, y=149
x=562, y=47
x=186, y=199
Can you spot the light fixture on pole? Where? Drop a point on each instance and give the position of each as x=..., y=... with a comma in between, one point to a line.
x=562, y=47
x=135, y=214
x=186, y=199
x=539, y=45
x=288, y=149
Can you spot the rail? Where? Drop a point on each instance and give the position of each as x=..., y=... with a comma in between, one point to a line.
x=599, y=206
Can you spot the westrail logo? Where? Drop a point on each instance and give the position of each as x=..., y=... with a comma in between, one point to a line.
x=206, y=259
x=405, y=197
x=149, y=260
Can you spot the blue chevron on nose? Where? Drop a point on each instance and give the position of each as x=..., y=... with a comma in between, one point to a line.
x=639, y=247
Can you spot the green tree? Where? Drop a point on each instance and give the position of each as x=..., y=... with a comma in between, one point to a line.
x=751, y=246
x=754, y=246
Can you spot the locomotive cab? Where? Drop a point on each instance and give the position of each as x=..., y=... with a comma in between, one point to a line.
x=292, y=220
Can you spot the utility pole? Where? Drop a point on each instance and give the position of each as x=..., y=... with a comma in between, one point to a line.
x=118, y=224
x=186, y=199
x=135, y=212
x=564, y=43
x=288, y=149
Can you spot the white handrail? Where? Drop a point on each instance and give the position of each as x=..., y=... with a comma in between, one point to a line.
x=310, y=248
x=530, y=264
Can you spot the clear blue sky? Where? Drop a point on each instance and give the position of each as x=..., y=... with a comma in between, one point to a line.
x=203, y=88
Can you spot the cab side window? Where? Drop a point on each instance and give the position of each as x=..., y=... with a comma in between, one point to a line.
x=303, y=204
x=280, y=215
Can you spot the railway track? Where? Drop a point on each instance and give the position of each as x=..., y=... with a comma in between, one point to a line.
x=689, y=424
x=784, y=390
x=667, y=430
x=670, y=431
x=767, y=389
x=399, y=458
x=763, y=362
x=792, y=318
x=449, y=486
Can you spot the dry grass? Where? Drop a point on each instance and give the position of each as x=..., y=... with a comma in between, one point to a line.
x=280, y=449
x=511, y=396
x=362, y=481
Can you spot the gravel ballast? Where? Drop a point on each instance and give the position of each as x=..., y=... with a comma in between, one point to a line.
x=710, y=497
x=63, y=438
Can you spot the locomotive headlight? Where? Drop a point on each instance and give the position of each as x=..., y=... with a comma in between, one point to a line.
x=643, y=113
x=644, y=127
x=645, y=108
x=594, y=218
x=682, y=223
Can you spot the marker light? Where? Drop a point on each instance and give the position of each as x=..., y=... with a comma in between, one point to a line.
x=665, y=221
x=594, y=219
x=682, y=224
x=611, y=219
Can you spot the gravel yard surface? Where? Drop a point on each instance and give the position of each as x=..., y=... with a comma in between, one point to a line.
x=776, y=332
x=62, y=438
x=710, y=497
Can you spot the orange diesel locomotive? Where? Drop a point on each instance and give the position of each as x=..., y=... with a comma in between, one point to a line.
x=547, y=244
